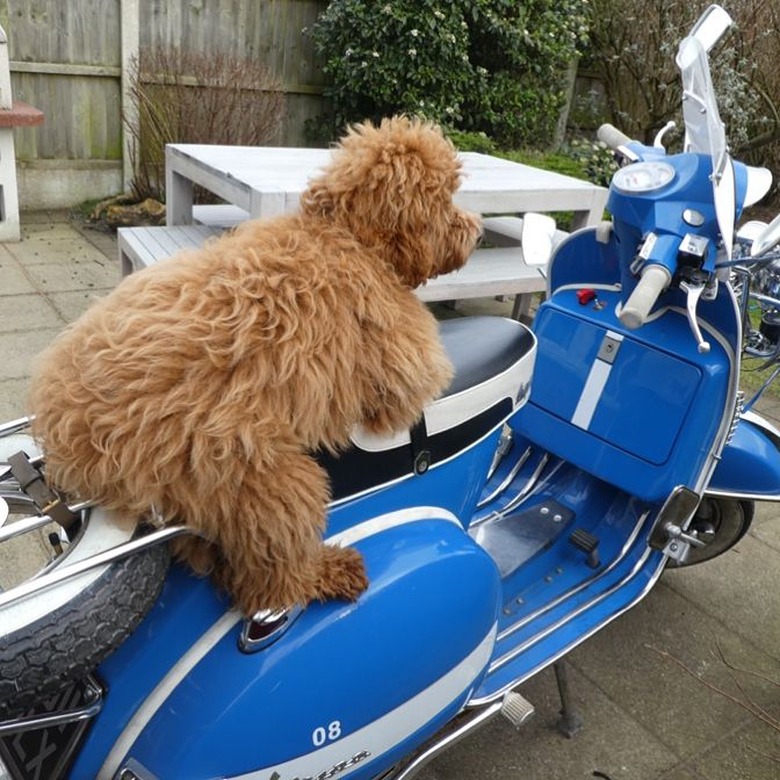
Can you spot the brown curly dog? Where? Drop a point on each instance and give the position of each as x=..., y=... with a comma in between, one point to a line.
x=198, y=387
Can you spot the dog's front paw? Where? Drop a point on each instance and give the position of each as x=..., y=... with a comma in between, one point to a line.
x=342, y=574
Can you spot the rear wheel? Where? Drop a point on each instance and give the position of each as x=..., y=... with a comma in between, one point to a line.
x=720, y=522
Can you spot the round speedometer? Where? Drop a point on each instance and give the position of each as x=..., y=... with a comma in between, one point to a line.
x=643, y=177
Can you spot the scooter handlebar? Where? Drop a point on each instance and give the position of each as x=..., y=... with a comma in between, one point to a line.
x=612, y=137
x=654, y=280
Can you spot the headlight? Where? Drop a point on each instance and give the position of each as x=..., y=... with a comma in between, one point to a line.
x=643, y=177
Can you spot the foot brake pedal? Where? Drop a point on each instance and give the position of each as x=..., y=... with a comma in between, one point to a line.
x=589, y=544
x=516, y=709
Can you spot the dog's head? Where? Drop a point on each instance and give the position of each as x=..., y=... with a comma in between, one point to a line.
x=392, y=187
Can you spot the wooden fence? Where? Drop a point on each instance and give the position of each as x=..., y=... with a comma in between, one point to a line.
x=70, y=58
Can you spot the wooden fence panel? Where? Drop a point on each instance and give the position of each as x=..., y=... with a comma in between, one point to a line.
x=271, y=31
x=66, y=59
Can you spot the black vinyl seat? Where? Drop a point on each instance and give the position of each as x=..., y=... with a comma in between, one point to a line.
x=482, y=347
x=493, y=360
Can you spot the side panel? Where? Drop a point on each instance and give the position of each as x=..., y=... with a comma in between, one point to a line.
x=642, y=409
x=345, y=681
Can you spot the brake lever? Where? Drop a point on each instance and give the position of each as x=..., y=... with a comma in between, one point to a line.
x=693, y=293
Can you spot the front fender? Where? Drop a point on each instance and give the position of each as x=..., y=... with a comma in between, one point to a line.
x=749, y=468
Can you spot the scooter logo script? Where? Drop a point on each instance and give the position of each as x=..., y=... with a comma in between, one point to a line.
x=332, y=772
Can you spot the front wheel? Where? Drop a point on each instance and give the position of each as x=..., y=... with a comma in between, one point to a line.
x=721, y=523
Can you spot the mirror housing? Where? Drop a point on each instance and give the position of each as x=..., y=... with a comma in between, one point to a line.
x=768, y=238
x=537, y=238
x=711, y=26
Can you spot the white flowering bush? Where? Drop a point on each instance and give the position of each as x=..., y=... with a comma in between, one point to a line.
x=596, y=160
x=632, y=51
x=492, y=66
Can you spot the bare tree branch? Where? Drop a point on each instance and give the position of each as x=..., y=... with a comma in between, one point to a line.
x=747, y=705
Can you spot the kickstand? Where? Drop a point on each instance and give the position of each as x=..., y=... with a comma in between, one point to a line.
x=570, y=723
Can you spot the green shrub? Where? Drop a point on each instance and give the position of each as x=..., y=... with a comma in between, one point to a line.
x=466, y=141
x=492, y=66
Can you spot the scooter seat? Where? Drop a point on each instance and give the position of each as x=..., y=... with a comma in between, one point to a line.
x=493, y=360
x=481, y=348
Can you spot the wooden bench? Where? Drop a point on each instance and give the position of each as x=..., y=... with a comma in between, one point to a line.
x=489, y=272
x=219, y=215
x=140, y=247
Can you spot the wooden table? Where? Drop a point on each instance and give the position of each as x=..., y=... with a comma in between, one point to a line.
x=266, y=181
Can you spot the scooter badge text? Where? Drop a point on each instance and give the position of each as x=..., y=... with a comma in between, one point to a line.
x=333, y=771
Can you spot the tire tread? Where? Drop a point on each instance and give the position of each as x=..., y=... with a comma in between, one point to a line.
x=67, y=644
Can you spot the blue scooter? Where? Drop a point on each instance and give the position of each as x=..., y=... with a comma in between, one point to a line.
x=539, y=499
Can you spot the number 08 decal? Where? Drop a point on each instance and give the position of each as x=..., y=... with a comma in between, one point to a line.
x=329, y=733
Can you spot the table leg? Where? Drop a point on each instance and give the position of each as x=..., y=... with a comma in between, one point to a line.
x=582, y=219
x=178, y=198
x=267, y=204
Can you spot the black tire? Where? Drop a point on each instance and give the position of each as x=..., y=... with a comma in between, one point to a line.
x=728, y=519
x=41, y=658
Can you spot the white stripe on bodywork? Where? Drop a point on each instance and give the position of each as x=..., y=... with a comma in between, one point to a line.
x=164, y=689
x=391, y=520
x=593, y=389
x=446, y=413
x=591, y=394
x=385, y=732
x=214, y=634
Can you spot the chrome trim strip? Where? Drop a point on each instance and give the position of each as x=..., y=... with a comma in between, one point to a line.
x=14, y=426
x=582, y=585
x=568, y=648
x=770, y=498
x=507, y=481
x=415, y=764
x=518, y=499
x=33, y=722
x=521, y=648
x=62, y=573
x=763, y=425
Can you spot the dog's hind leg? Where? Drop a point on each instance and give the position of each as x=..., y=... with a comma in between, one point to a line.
x=272, y=550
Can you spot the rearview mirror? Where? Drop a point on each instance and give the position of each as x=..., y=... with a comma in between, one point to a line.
x=768, y=238
x=750, y=231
